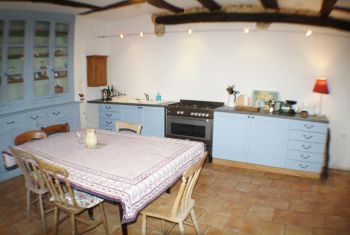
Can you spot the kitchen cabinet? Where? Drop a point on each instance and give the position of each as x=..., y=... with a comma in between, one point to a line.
x=249, y=138
x=36, y=57
x=286, y=144
x=97, y=70
x=151, y=118
x=13, y=124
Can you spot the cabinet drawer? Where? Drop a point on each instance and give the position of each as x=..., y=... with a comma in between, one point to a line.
x=110, y=115
x=109, y=107
x=305, y=156
x=307, y=136
x=303, y=166
x=306, y=146
x=309, y=126
x=56, y=113
x=9, y=122
x=107, y=122
x=107, y=128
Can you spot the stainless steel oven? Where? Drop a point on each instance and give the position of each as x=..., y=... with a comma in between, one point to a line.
x=189, y=128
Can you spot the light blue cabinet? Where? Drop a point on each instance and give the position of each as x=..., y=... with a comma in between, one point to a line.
x=152, y=118
x=249, y=138
x=15, y=123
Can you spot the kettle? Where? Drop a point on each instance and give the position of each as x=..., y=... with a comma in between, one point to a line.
x=106, y=94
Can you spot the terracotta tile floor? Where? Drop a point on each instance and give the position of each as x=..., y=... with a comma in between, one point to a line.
x=228, y=201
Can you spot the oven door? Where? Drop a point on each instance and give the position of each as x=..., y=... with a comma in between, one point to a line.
x=189, y=128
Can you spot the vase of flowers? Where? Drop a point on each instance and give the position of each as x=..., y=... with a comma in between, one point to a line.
x=232, y=96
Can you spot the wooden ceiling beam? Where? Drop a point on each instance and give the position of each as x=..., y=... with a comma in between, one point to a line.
x=60, y=2
x=210, y=4
x=270, y=4
x=252, y=17
x=327, y=7
x=115, y=5
x=164, y=5
x=340, y=8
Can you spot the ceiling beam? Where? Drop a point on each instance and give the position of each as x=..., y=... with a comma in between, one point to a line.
x=114, y=5
x=340, y=8
x=327, y=7
x=270, y=17
x=270, y=4
x=210, y=4
x=164, y=5
x=60, y=2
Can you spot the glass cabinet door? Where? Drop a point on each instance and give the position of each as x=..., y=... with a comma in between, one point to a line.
x=1, y=46
x=15, y=60
x=41, y=59
x=61, y=58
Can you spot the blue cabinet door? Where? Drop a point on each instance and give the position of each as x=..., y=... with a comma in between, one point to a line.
x=268, y=140
x=153, y=121
x=131, y=113
x=230, y=139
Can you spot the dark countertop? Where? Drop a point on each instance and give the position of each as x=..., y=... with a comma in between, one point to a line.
x=310, y=118
x=160, y=104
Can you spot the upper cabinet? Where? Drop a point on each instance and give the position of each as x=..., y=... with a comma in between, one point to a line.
x=97, y=70
x=36, y=60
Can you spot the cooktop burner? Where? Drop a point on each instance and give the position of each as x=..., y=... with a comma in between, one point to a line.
x=194, y=108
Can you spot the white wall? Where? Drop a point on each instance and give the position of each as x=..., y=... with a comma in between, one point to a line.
x=201, y=65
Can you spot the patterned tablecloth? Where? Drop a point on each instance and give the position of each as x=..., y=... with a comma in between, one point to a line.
x=126, y=168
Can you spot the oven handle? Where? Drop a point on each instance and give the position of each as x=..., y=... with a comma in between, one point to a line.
x=172, y=117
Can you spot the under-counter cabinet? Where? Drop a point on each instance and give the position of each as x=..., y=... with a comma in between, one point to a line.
x=151, y=118
x=284, y=144
x=249, y=138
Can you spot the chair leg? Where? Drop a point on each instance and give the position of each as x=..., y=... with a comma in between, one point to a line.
x=42, y=212
x=74, y=225
x=55, y=220
x=144, y=225
x=181, y=228
x=104, y=220
x=28, y=204
x=194, y=221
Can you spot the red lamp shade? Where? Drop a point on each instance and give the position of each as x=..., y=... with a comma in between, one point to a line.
x=321, y=86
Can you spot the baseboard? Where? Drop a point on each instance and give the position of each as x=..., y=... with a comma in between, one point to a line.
x=271, y=169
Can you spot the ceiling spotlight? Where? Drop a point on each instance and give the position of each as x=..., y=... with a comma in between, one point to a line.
x=141, y=34
x=121, y=35
x=189, y=31
x=246, y=30
x=308, y=33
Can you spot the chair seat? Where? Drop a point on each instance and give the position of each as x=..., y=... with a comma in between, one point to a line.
x=160, y=208
x=83, y=199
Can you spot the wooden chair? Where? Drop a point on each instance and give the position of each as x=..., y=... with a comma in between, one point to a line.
x=128, y=126
x=29, y=136
x=33, y=182
x=176, y=208
x=69, y=200
x=57, y=128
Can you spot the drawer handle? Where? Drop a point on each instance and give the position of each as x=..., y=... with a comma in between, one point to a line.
x=9, y=123
x=308, y=126
x=56, y=113
x=306, y=147
x=34, y=117
x=108, y=114
x=305, y=156
x=139, y=107
x=304, y=166
x=307, y=136
x=108, y=122
x=108, y=107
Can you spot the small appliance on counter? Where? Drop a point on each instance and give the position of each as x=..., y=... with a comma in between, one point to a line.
x=106, y=94
x=287, y=107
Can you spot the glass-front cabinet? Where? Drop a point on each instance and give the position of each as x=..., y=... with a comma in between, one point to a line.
x=35, y=60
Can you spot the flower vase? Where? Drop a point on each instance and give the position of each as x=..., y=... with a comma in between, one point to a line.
x=91, y=138
x=231, y=100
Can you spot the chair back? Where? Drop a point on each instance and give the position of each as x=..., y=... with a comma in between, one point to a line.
x=29, y=136
x=32, y=176
x=56, y=179
x=57, y=128
x=128, y=126
x=189, y=180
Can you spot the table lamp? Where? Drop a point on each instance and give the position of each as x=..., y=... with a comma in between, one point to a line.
x=322, y=88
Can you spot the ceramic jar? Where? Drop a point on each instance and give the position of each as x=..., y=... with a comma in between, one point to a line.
x=231, y=100
x=91, y=138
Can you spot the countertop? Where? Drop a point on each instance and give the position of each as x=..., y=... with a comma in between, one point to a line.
x=133, y=102
x=310, y=118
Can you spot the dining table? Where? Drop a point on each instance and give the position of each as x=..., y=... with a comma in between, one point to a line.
x=125, y=168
